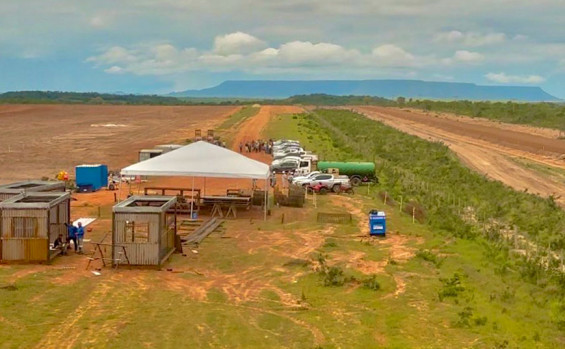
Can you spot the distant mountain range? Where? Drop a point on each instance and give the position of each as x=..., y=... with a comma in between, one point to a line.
x=381, y=88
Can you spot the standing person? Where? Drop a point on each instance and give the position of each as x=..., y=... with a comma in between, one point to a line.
x=274, y=179
x=80, y=236
x=240, y=147
x=72, y=235
x=284, y=180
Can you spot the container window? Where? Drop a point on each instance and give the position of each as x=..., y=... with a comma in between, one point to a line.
x=136, y=232
x=24, y=227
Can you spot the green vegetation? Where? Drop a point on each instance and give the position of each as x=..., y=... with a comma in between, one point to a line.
x=239, y=117
x=51, y=97
x=487, y=282
x=324, y=99
x=550, y=115
x=431, y=175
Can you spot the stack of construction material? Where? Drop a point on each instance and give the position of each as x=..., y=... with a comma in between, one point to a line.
x=202, y=231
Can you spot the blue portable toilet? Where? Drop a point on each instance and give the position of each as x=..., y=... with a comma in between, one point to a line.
x=377, y=223
x=91, y=177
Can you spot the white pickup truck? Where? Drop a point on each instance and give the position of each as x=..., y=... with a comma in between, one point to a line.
x=331, y=181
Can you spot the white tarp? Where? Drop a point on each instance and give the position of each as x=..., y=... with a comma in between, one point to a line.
x=200, y=159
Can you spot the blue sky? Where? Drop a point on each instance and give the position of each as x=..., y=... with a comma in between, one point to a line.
x=143, y=46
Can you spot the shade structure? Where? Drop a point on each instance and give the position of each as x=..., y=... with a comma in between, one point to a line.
x=200, y=159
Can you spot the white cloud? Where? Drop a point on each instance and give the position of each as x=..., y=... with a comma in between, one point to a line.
x=305, y=52
x=470, y=38
x=393, y=55
x=468, y=56
x=237, y=42
x=114, y=70
x=114, y=55
x=239, y=52
x=464, y=57
x=503, y=78
x=520, y=37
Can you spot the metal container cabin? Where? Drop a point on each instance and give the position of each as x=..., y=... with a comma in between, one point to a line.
x=146, y=154
x=143, y=226
x=168, y=147
x=10, y=190
x=30, y=224
x=91, y=177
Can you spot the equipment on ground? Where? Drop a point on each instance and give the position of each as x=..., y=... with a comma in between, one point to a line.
x=91, y=178
x=377, y=223
x=358, y=172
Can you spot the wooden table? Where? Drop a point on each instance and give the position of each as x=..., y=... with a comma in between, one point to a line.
x=229, y=202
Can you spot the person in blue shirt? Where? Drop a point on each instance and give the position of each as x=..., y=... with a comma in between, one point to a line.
x=72, y=235
x=80, y=236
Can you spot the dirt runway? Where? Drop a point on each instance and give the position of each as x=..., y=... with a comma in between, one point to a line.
x=488, y=147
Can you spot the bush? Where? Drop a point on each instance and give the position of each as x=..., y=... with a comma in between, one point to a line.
x=334, y=276
x=451, y=287
x=372, y=283
x=428, y=256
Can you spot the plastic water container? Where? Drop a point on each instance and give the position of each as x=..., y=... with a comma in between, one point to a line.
x=377, y=223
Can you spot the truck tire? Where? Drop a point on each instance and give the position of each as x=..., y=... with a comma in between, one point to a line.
x=336, y=188
x=355, y=181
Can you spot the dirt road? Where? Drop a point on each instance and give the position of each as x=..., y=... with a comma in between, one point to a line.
x=40, y=140
x=488, y=147
x=253, y=127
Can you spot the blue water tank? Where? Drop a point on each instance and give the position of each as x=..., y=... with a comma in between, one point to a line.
x=93, y=177
x=377, y=223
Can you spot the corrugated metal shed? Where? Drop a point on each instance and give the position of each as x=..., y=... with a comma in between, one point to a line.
x=13, y=189
x=29, y=223
x=144, y=228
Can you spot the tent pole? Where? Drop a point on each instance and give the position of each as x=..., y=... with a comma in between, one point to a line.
x=266, y=189
x=119, y=189
x=192, y=201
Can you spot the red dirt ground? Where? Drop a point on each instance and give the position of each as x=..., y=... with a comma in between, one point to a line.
x=41, y=140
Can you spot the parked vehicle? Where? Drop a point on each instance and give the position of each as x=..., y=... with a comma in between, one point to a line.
x=297, y=165
x=279, y=156
x=286, y=151
x=285, y=165
x=331, y=181
x=284, y=141
x=322, y=188
x=308, y=176
x=358, y=172
x=285, y=146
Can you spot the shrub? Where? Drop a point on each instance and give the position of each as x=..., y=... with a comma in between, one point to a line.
x=429, y=256
x=372, y=283
x=451, y=287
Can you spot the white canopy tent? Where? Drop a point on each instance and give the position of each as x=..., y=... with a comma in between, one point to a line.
x=202, y=159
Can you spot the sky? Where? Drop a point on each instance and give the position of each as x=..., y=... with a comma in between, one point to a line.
x=143, y=46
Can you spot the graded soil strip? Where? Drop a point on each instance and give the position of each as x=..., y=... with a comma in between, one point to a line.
x=488, y=158
x=493, y=133
x=40, y=140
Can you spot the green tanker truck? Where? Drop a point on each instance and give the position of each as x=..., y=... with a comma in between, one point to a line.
x=358, y=172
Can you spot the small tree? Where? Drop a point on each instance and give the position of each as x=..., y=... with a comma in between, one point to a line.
x=401, y=101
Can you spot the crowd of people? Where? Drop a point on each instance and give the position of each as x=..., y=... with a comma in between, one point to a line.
x=257, y=146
